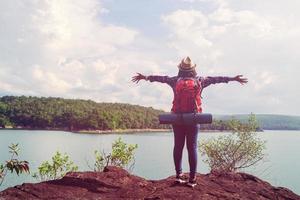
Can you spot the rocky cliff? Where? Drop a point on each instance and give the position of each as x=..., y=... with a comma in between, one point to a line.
x=116, y=183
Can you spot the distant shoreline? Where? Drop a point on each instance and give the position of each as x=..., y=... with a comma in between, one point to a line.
x=121, y=131
x=93, y=131
x=132, y=131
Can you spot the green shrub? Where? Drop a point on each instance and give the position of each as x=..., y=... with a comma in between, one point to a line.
x=13, y=165
x=240, y=149
x=122, y=155
x=60, y=165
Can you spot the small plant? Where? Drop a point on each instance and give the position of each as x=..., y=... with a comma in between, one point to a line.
x=61, y=164
x=235, y=151
x=13, y=165
x=122, y=155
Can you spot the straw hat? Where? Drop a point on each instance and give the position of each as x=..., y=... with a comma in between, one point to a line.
x=186, y=64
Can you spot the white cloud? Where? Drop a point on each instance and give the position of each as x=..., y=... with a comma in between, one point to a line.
x=230, y=40
x=56, y=47
x=74, y=27
x=188, y=26
x=264, y=79
x=67, y=48
x=49, y=82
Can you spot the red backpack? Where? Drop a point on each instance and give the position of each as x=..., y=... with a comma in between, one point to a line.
x=187, y=96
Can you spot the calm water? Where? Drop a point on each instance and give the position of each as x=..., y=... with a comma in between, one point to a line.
x=153, y=156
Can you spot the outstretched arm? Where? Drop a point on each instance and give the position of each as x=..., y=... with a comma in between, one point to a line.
x=222, y=79
x=138, y=77
x=162, y=79
x=240, y=79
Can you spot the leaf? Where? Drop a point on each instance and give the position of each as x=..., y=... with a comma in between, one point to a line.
x=17, y=169
x=60, y=165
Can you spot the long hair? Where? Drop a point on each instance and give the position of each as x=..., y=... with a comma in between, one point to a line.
x=186, y=74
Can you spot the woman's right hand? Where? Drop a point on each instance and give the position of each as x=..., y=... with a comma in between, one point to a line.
x=138, y=77
x=240, y=79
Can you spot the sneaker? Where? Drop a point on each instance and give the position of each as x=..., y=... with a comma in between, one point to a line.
x=180, y=179
x=192, y=183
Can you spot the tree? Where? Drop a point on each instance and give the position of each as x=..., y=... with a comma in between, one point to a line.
x=4, y=121
x=70, y=114
x=240, y=149
x=13, y=165
x=61, y=164
x=122, y=155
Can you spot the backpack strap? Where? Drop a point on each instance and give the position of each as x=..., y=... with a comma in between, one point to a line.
x=197, y=86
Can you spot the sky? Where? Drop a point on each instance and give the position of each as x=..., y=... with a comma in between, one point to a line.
x=90, y=50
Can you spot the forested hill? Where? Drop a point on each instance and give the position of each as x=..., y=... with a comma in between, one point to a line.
x=69, y=114
x=268, y=122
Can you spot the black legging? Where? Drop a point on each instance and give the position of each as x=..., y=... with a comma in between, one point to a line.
x=190, y=133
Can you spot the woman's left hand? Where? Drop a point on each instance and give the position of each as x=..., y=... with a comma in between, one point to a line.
x=138, y=77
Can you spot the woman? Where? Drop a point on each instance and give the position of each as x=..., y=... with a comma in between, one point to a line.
x=187, y=88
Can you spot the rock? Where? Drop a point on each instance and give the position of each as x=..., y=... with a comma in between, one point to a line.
x=116, y=183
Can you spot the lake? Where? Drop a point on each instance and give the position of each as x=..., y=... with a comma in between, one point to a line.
x=153, y=158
